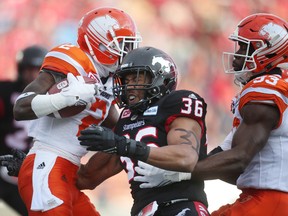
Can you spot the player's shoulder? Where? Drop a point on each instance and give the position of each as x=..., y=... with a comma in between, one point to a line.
x=67, y=49
x=180, y=103
x=179, y=95
x=270, y=89
x=270, y=82
x=68, y=58
x=179, y=100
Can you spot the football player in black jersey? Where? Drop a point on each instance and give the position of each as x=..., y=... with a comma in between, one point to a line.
x=253, y=155
x=158, y=125
x=13, y=134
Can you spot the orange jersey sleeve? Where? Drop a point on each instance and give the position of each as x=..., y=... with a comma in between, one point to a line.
x=68, y=58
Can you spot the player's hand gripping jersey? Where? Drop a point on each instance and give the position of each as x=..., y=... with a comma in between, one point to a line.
x=267, y=170
x=66, y=59
x=151, y=127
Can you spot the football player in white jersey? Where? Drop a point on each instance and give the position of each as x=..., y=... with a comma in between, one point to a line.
x=47, y=175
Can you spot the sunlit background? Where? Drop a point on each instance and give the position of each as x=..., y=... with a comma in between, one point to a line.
x=193, y=32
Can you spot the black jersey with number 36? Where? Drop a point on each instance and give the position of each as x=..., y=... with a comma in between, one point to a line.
x=151, y=127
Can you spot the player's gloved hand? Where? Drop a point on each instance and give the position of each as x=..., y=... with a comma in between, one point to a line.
x=99, y=138
x=78, y=92
x=152, y=176
x=13, y=162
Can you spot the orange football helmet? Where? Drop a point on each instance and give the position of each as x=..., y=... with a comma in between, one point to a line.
x=107, y=34
x=267, y=36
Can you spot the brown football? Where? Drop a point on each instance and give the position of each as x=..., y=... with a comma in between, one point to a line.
x=71, y=110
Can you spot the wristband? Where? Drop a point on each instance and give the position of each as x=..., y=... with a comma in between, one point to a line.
x=138, y=150
x=134, y=149
x=43, y=105
x=184, y=176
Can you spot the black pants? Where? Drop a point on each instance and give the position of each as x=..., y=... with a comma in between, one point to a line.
x=184, y=208
x=10, y=195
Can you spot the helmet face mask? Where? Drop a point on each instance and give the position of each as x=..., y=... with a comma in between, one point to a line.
x=121, y=88
x=106, y=33
x=266, y=39
x=121, y=45
x=159, y=72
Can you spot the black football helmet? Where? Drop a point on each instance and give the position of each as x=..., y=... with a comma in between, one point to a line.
x=31, y=56
x=152, y=62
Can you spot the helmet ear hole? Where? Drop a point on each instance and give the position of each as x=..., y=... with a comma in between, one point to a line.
x=271, y=55
x=102, y=47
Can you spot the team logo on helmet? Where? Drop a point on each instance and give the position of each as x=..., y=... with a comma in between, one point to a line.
x=271, y=30
x=107, y=23
x=165, y=64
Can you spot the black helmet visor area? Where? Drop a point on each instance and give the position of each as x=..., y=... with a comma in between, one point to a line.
x=31, y=56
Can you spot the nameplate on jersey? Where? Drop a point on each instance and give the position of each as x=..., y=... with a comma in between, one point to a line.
x=133, y=125
x=105, y=95
x=151, y=111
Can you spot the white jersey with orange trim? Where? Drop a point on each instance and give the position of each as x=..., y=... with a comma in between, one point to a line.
x=60, y=135
x=268, y=169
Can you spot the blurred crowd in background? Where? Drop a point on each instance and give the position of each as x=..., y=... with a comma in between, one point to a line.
x=193, y=32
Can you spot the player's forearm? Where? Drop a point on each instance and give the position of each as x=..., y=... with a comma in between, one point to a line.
x=112, y=118
x=175, y=157
x=22, y=109
x=84, y=180
x=100, y=167
x=223, y=165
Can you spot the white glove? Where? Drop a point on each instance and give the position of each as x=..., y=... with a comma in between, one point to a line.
x=78, y=92
x=155, y=177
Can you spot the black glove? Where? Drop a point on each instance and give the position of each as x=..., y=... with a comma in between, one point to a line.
x=99, y=138
x=13, y=162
